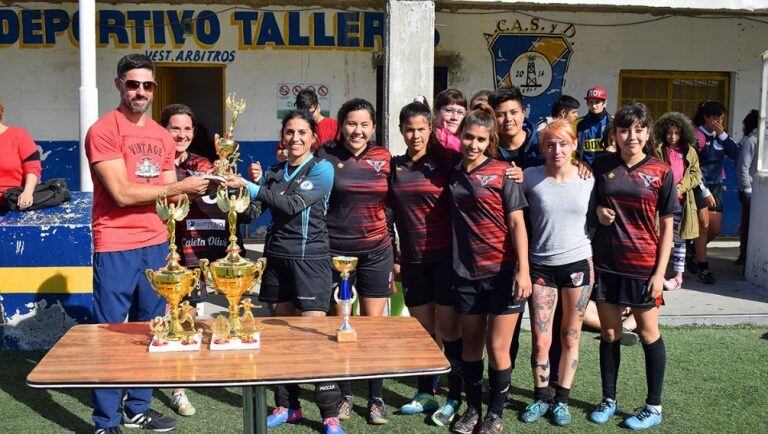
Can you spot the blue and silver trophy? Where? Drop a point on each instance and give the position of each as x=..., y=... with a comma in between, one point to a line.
x=345, y=295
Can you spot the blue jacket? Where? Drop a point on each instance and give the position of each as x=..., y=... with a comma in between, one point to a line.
x=712, y=151
x=590, y=130
x=527, y=155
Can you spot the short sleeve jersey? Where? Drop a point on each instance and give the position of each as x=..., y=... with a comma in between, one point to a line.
x=356, y=218
x=480, y=201
x=203, y=233
x=298, y=200
x=18, y=156
x=147, y=151
x=421, y=207
x=637, y=194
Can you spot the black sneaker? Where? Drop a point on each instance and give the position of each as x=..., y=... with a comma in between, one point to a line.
x=110, y=430
x=150, y=419
x=377, y=412
x=491, y=424
x=706, y=277
x=467, y=422
x=691, y=265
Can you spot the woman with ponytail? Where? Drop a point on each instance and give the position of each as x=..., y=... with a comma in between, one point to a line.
x=490, y=263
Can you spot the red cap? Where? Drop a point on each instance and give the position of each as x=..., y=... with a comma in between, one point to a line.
x=597, y=93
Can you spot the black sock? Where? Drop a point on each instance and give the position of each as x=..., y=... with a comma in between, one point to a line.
x=703, y=266
x=287, y=396
x=561, y=394
x=542, y=394
x=346, y=388
x=610, y=359
x=328, y=398
x=498, y=388
x=655, y=361
x=473, y=383
x=426, y=384
x=375, y=388
x=514, y=348
x=453, y=351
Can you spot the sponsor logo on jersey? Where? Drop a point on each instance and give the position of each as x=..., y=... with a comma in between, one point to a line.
x=430, y=166
x=577, y=278
x=376, y=164
x=485, y=179
x=648, y=179
x=206, y=224
x=306, y=185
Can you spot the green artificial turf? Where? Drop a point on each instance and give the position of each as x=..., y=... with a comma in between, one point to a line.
x=716, y=381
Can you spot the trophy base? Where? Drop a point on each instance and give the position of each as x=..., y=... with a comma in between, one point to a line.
x=218, y=344
x=346, y=336
x=173, y=346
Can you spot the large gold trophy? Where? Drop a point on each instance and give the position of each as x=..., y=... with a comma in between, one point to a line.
x=233, y=275
x=176, y=331
x=345, y=296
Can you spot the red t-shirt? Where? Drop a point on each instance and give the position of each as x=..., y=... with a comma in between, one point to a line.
x=18, y=157
x=147, y=152
x=326, y=131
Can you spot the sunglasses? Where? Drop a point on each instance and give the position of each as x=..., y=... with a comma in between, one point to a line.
x=148, y=86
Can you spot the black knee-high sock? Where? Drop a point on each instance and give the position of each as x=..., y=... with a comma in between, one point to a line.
x=375, y=388
x=328, y=398
x=473, y=383
x=426, y=384
x=515, y=347
x=453, y=351
x=498, y=385
x=610, y=359
x=346, y=388
x=543, y=394
x=655, y=362
x=287, y=396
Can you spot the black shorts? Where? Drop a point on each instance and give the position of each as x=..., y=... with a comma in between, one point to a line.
x=717, y=193
x=426, y=283
x=625, y=291
x=373, y=275
x=491, y=295
x=571, y=275
x=305, y=282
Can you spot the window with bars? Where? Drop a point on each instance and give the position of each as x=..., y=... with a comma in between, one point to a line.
x=681, y=91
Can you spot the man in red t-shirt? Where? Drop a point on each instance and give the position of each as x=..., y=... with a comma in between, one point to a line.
x=326, y=127
x=131, y=159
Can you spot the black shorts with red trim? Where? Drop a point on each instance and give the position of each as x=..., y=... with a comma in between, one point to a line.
x=571, y=275
x=427, y=283
x=493, y=295
x=624, y=291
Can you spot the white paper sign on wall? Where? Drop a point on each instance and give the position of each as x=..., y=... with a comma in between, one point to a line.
x=286, y=97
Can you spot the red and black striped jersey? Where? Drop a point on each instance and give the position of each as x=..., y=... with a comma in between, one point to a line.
x=480, y=201
x=637, y=194
x=421, y=207
x=356, y=217
x=203, y=233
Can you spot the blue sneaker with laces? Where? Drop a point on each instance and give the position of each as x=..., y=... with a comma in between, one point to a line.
x=604, y=411
x=647, y=417
x=560, y=414
x=331, y=425
x=282, y=415
x=421, y=403
x=534, y=411
x=445, y=414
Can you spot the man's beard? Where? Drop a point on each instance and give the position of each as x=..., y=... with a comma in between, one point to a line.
x=138, y=106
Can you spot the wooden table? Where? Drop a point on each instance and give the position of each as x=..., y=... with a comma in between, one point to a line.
x=293, y=350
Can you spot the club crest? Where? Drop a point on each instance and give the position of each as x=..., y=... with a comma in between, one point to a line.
x=376, y=164
x=306, y=185
x=577, y=278
x=648, y=179
x=430, y=166
x=485, y=179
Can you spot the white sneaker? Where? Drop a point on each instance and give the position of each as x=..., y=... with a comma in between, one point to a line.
x=629, y=338
x=181, y=405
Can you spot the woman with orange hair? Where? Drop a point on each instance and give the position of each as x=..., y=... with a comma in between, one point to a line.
x=559, y=201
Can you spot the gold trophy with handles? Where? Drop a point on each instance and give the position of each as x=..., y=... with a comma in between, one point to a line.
x=345, y=296
x=173, y=282
x=233, y=275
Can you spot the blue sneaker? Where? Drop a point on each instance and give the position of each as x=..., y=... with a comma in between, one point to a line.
x=560, y=414
x=604, y=411
x=646, y=418
x=534, y=411
x=331, y=425
x=422, y=403
x=445, y=414
x=282, y=415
